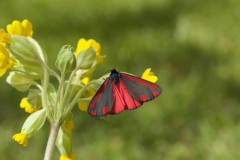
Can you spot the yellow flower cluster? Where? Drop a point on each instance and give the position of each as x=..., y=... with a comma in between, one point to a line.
x=23, y=28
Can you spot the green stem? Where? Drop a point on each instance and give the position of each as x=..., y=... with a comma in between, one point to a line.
x=79, y=94
x=51, y=141
x=65, y=96
x=52, y=72
x=60, y=94
x=45, y=82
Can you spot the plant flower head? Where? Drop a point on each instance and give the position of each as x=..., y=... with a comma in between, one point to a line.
x=5, y=37
x=149, y=76
x=6, y=61
x=21, y=138
x=27, y=106
x=23, y=28
x=84, y=44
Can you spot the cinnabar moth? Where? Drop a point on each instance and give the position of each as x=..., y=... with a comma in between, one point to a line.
x=122, y=91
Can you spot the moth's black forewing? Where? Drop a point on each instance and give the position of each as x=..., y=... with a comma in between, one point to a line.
x=137, y=88
x=103, y=98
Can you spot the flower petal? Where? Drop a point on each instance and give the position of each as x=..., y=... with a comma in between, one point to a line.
x=23, y=28
x=5, y=60
x=21, y=138
x=5, y=37
x=149, y=76
x=82, y=106
x=27, y=106
x=65, y=157
x=84, y=44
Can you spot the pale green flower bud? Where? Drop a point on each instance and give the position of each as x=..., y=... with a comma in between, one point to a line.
x=20, y=82
x=34, y=122
x=26, y=49
x=66, y=60
x=86, y=59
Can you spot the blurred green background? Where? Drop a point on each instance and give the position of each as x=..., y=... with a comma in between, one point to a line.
x=191, y=45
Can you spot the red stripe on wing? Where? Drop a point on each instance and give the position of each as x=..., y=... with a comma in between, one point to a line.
x=122, y=98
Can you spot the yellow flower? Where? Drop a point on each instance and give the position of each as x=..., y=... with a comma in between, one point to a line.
x=65, y=157
x=84, y=44
x=27, y=106
x=23, y=28
x=85, y=80
x=68, y=125
x=6, y=61
x=5, y=37
x=21, y=138
x=149, y=76
x=82, y=106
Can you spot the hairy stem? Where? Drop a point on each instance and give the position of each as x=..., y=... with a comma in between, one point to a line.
x=51, y=141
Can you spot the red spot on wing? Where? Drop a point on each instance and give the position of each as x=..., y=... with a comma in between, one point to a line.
x=105, y=110
x=93, y=112
x=143, y=97
x=156, y=93
x=153, y=85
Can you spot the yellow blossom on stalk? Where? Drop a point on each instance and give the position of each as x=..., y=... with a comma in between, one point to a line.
x=21, y=138
x=84, y=44
x=23, y=28
x=6, y=61
x=4, y=37
x=82, y=106
x=65, y=157
x=149, y=76
x=68, y=125
x=85, y=80
x=27, y=106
